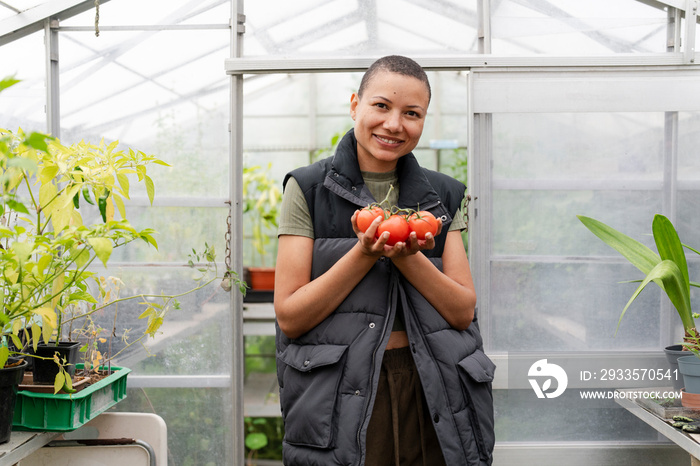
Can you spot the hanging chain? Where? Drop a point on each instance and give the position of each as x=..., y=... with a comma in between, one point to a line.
x=226, y=282
x=97, y=18
x=465, y=209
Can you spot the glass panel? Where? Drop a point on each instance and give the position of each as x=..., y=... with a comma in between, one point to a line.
x=688, y=142
x=20, y=5
x=306, y=111
x=565, y=306
x=198, y=420
x=567, y=28
x=521, y=417
x=179, y=230
x=24, y=104
x=165, y=12
x=546, y=170
x=570, y=147
x=544, y=223
x=175, y=107
x=194, y=337
x=315, y=27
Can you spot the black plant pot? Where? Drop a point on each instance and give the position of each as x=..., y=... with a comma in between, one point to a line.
x=674, y=352
x=45, y=370
x=10, y=378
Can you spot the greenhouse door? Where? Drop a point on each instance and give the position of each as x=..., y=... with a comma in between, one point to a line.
x=618, y=145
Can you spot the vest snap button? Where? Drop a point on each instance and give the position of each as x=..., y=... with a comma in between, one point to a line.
x=357, y=392
x=436, y=418
x=371, y=325
x=306, y=363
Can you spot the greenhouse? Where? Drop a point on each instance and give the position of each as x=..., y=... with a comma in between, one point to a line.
x=564, y=119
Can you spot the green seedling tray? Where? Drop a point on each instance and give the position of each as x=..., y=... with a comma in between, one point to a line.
x=66, y=412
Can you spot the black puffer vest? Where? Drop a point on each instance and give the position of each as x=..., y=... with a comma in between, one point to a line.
x=328, y=376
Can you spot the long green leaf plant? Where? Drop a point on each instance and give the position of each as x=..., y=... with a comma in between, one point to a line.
x=668, y=268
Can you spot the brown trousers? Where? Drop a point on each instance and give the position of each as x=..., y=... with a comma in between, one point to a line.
x=400, y=431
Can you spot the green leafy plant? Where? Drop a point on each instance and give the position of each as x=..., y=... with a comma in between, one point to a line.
x=262, y=198
x=668, y=268
x=255, y=441
x=263, y=438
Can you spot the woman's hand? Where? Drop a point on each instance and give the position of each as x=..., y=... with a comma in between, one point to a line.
x=370, y=245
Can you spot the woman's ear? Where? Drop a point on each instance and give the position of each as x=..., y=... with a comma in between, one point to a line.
x=354, y=100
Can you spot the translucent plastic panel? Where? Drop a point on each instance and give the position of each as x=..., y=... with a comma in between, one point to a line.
x=24, y=104
x=566, y=28
x=688, y=143
x=135, y=12
x=569, y=306
x=198, y=420
x=544, y=222
x=520, y=417
x=201, y=322
x=309, y=110
x=19, y=5
x=166, y=101
x=688, y=221
x=178, y=231
x=137, y=85
x=576, y=147
x=317, y=27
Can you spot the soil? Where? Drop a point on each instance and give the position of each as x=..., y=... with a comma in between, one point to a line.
x=79, y=382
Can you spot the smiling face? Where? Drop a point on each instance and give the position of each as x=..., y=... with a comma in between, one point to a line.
x=389, y=119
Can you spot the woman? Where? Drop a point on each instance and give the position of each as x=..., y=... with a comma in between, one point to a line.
x=379, y=355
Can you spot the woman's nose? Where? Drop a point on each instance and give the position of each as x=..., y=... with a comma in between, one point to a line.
x=393, y=122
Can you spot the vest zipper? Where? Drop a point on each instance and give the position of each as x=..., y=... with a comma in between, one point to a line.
x=382, y=343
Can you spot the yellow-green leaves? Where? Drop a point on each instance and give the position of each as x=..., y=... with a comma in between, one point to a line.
x=58, y=382
x=63, y=380
x=48, y=173
x=102, y=247
x=155, y=318
x=4, y=354
x=150, y=188
x=22, y=250
x=49, y=321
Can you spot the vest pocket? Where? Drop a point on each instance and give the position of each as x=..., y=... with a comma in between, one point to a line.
x=309, y=392
x=476, y=373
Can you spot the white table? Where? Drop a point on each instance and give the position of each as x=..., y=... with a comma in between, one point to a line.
x=23, y=444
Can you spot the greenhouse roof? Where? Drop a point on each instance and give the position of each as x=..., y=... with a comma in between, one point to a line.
x=450, y=26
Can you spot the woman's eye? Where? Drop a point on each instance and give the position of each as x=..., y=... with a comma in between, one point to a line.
x=381, y=105
x=413, y=114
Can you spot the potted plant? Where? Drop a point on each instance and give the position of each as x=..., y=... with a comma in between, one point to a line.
x=262, y=198
x=668, y=269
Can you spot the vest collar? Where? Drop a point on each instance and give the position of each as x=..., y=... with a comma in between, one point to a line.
x=345, y=178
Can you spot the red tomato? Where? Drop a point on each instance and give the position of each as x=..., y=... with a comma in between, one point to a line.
x=398, y=229
x=367, y=215
x=423, y=222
